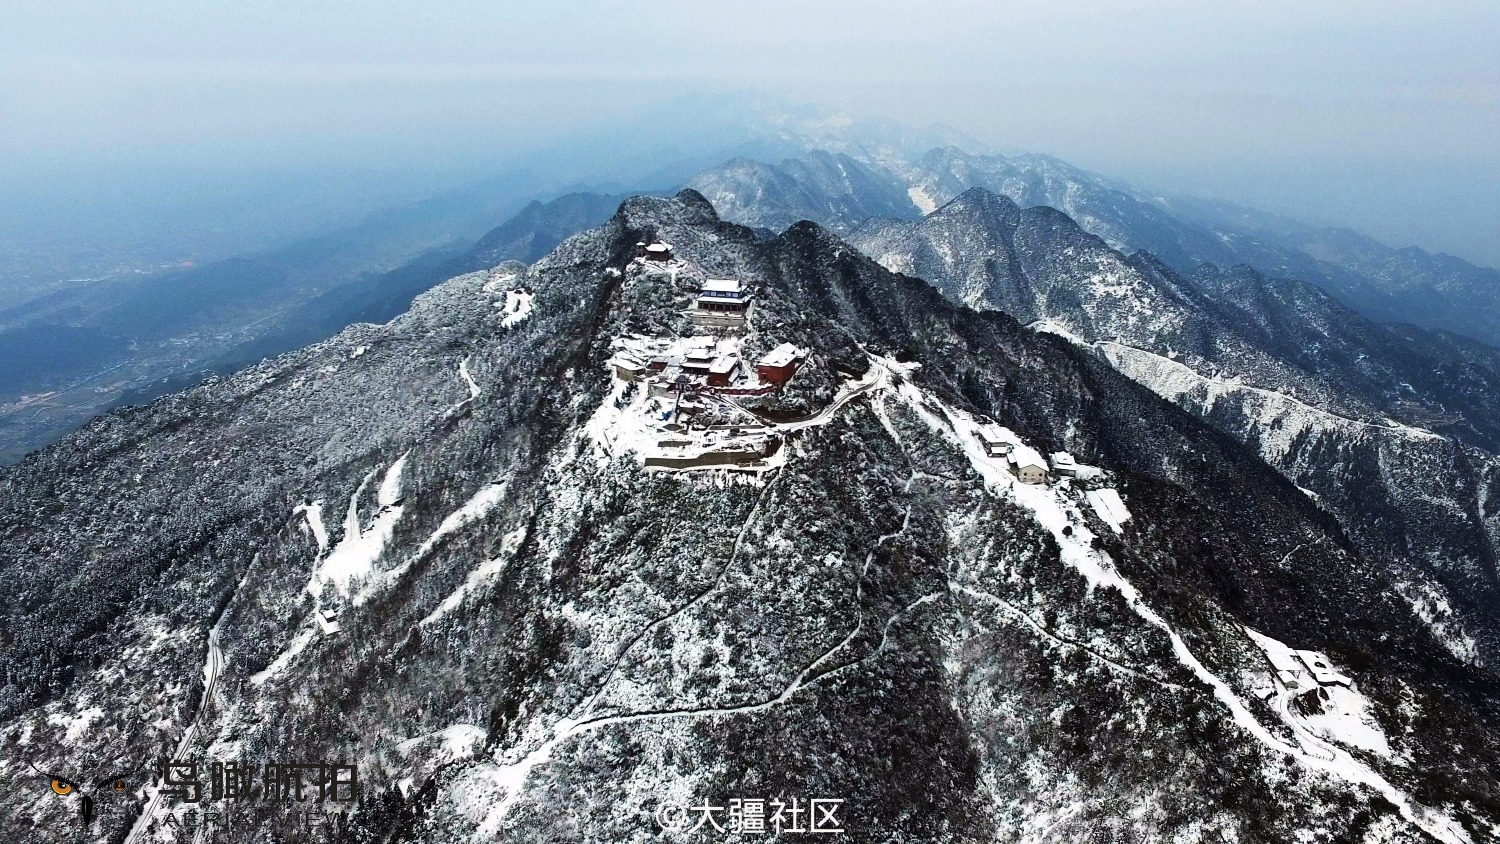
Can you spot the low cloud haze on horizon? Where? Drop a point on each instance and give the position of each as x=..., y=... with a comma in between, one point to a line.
x=1380, y=116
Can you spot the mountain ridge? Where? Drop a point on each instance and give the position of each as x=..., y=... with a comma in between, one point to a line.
x=1315, y=389
x=886, y=617
x=1386, y=284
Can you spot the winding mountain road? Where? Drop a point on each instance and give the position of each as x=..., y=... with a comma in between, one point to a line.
x=213, y=667
x=879, y=377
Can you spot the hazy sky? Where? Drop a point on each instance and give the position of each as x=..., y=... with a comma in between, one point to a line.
x=1381, y=115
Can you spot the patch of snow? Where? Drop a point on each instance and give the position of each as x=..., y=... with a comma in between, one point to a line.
x=79, y=724
x=497, y=281
x=905, y=370
x=463, y=372
x=517, y=307
x=511, y=779
x=484, y=573
x=1346, y=719
x=359, y=352
x=922, y=199
x=620, y=426
x=1280, y=419
x=298, y=645
x=358, y=549
x=313, y=514
x=1110, y=509
x=458, y=741
x=478, y=505
x=468, y=379
x=1047, y=326
x=1431, y=605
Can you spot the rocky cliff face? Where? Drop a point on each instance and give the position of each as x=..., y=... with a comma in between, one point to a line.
x=544, y=640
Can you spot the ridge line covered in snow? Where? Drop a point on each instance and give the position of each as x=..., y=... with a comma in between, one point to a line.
x=1099, y=570
x=1171, y=387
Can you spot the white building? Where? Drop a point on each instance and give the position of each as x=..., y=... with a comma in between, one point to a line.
x=1027, y=464
x=328, y=620
x=628, y=367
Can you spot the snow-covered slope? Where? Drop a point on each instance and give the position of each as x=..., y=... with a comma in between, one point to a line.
x=544, y=639
x=1392, y=429
x=1391, y=285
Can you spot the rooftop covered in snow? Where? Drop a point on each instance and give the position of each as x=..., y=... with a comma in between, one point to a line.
x=989, y=432
x=1024, y=455
x=723, y=285
x=782, y=355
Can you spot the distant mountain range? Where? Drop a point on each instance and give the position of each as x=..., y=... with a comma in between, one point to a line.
x=1388, y=285
x=85, y=348
x=1389, y=426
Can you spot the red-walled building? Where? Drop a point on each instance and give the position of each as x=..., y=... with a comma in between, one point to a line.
x=780, y=364
x=722, y=371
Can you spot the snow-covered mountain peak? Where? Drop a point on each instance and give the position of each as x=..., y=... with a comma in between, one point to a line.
x=983, y=586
